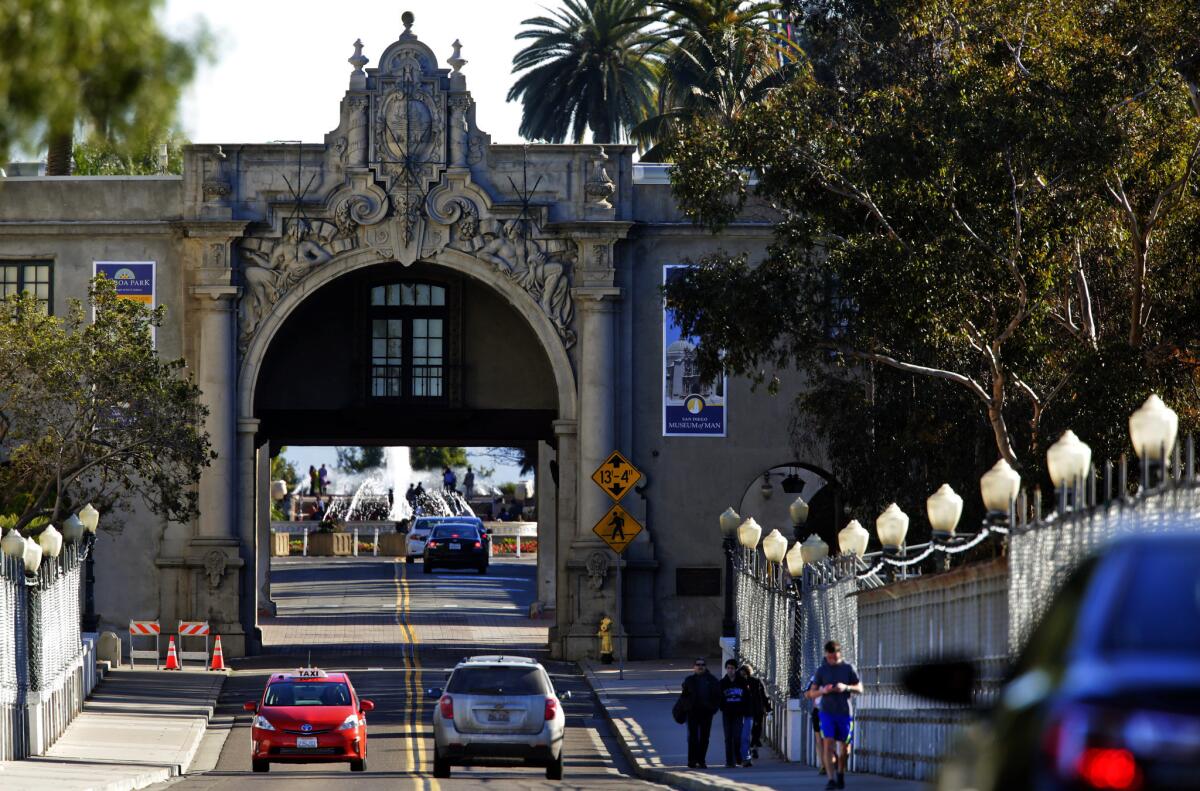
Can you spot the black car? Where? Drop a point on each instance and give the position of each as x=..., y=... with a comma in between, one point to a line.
x=456, y=546
x=1106, y=693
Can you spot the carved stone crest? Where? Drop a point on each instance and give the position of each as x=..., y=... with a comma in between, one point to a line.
x=214, y=568
x=597, y=569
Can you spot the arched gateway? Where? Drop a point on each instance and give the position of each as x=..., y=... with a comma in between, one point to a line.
x=540, y=268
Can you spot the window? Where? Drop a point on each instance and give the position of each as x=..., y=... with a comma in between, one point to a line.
x=33, y=277
x=307, y=693
x=498, y=680
x=408, y=333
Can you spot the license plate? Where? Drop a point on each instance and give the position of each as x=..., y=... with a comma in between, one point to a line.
x=455, y=546
x=497, y=716
x=306, y=742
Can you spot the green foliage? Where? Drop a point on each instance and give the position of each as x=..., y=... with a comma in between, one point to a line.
x=438, y=458
x=987, y=231
x=100, y=157
x=589, y=66
x=89, y=412
x=359, y=459
x=103, y=63
x=283, y=470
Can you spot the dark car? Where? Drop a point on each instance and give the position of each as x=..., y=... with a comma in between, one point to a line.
x=1106, y=693
x=456, y=546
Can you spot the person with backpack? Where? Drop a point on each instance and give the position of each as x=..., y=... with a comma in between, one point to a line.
x=698, y=703
x=760, y=707
x=733, y=713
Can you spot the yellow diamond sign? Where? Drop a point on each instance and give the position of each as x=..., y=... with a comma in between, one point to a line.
x=617, y=529
x=616, y=476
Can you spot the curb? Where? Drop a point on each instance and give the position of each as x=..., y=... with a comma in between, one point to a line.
x=690, y=781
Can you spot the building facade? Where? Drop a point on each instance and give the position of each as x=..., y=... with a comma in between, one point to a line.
x=408, y=282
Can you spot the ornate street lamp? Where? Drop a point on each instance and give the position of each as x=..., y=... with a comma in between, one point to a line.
x=33, y=556
x=90, y=621
x=853, y=538
x=729, y=524
x=944, y=508
x=892, y=526
x=813, y=549
x=999, y=487
x=766, y=489
x=1068, y=461
x=748, y=533
x=774, y=546
x=795, y=561
x=13, y=544
x=798, y=511
x=1152, y=430
x=51, y=541
x=73, y=529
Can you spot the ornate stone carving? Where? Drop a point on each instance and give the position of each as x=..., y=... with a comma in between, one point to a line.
x=600, y=187
x=460, y=131
x=274, y=266
x=597, y=569
x=214, y=568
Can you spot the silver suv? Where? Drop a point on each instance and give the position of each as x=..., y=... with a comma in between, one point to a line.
x=496, y=711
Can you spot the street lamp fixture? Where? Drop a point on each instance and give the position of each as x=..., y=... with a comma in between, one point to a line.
x=1068, y=461
x=33, y=556
x=766, y=488
x=798, y=511
x=90, y=621
x=51, y=541
x=813, y=549
x=774, y=546
x=90, y=518
x=795, y=561
x=729, y=522
x=852, y=540
x=892, y=526
x=13, y=544
x=944, y=508
x=999, y=487
x=1152, y=429
x=72, y=529
x=748, y=533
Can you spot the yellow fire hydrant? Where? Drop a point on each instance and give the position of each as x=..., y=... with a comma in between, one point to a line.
x=606, y=645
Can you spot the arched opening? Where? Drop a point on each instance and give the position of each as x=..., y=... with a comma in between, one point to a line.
x=445, y=353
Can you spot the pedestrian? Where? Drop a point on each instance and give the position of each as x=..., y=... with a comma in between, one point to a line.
x=314, y=481
x=760, y=707
x=411, y=495
x=816, y=726
x=833, y=683
x=733, y=713
x=323, y=474
x=469, y=482
x=702, y=696
x=319, y=510
x=449, y=480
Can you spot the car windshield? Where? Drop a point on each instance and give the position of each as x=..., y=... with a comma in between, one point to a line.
x=307, y=693
x=497, y=680
x=455, y=531
x=1160, y=612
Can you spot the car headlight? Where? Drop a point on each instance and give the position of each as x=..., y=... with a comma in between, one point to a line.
x=261, y=722
x=350, y=724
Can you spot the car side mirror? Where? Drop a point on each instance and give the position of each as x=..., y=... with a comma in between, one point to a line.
x=433, y=693
x=366, y=705
x=250, y=705
x=944, y=680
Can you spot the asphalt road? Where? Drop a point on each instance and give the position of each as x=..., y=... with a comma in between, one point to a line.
x=458, y=613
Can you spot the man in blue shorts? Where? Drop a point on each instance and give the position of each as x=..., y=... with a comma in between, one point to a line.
x=832, y=683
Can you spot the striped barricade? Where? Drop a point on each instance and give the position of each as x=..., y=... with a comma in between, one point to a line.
x=148, y=630
x=193, y=630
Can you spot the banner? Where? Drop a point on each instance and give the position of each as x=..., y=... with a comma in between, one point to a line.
x=691, y=408
x=134, y=280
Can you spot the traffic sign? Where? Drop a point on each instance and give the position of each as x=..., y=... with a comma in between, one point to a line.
x=616, y=476
x=617, y=529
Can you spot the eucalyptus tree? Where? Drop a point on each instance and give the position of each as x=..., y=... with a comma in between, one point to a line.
x=590, y=66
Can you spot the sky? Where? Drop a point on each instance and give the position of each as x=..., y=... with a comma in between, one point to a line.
x=280, y=66
x=280, y=70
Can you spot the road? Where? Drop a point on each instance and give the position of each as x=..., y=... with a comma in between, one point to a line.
x=398, y=631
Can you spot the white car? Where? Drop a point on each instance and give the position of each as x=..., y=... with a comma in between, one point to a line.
x=422, y=526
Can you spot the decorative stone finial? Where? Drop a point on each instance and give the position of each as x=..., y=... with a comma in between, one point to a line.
x=456, y=59
x=407, y=18
x=358, y=60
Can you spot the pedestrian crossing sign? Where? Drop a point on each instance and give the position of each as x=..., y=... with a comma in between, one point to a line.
x=616, y=476
x=617, y=529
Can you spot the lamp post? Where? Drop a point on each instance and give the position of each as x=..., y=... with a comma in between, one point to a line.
x=90, y=622
x=729, y=524
x=999, y=487
x=1068, y=461
x=892, y=526
x=1152, y=430
x=853, y=538
x=798, y=511
x=774, y=548
x=944, y=508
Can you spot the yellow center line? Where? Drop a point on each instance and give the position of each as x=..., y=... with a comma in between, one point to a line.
x=415, y=758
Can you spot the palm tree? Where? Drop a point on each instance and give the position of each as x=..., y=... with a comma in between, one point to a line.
x=591, y=65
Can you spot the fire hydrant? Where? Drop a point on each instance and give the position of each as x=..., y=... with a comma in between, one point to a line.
x=606, y=645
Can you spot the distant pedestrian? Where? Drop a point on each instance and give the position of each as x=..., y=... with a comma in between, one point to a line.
x=733, y=713
x=411, y=495
x=319, y=510
x=833, y=683
x=760, y=707
x=469, y=483
x=449, y=480
x=324, y=476
x=701, y=699
x=314, y=481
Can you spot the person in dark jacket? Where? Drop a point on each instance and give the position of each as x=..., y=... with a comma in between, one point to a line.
x=702, y=692
x=760, y=707
x=733, y=713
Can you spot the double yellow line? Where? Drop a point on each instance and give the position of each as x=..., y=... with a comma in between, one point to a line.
x=415, y=757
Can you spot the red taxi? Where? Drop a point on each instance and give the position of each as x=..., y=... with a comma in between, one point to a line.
x=309, y=716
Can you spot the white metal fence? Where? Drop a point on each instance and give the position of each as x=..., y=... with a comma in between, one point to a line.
x=43, y=660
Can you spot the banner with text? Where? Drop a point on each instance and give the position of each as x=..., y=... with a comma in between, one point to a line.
x=134, y=279
x=691, y=408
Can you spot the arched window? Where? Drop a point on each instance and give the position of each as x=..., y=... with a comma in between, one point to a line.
x=408, y=340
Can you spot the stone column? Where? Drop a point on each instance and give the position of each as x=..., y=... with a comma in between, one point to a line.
x=548, y=514
x=566, y=434
x=246, y=525
x=262, y=534
x=597, y=307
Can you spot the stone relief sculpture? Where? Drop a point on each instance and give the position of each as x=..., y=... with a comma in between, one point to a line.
x=270, y=273
x=214, y=568
x=597, y=569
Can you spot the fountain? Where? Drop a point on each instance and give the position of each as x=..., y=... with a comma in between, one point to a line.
x=369, y=500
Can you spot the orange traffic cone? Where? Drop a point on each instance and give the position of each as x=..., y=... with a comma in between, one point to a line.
x=172, y=658
x=218, y=657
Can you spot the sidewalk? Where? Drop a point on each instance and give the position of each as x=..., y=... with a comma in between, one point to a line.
x=139, y=727
x=639, y=708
